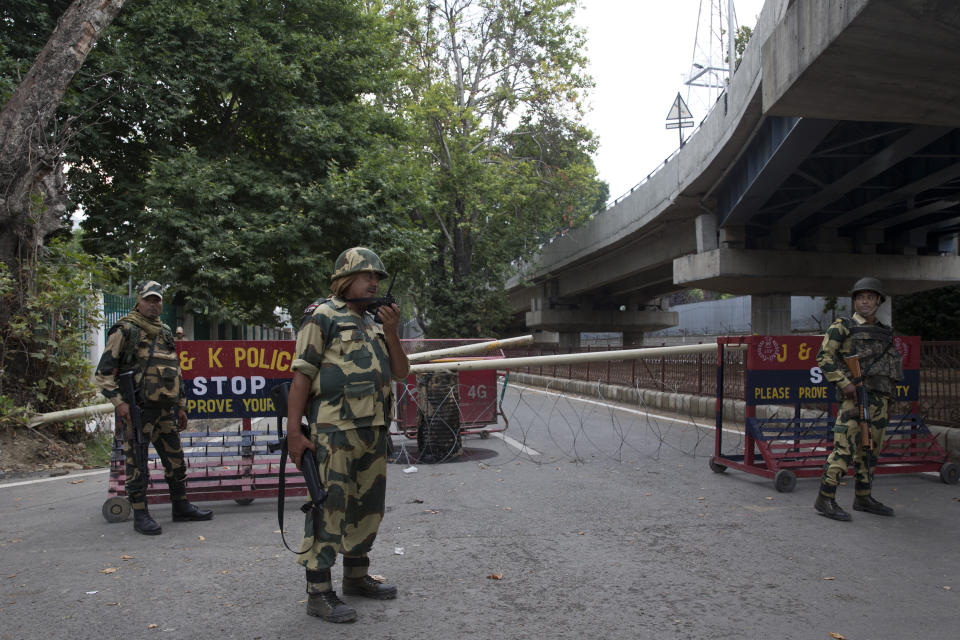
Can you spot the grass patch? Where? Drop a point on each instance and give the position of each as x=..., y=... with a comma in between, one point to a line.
x=98, y=449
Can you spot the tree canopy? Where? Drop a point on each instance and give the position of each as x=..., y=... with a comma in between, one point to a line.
x=495, y=98
x=223, y=139
x=234, y=147
x=932, y=315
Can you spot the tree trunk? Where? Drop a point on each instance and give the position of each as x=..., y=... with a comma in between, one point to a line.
x=32, y=192
x=462, y=244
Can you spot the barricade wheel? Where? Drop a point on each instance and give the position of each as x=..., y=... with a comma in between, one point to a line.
x=950, y=473
x=243, y=501
x=116, y=509
x=785, y=481
x=716, y=467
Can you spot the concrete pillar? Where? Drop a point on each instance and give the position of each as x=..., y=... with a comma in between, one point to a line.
x=550, y=338
x=569, y=339
x=188, y=326
x=96, y=339
x=706, y=229
x=633, y=338
x=885, y=312
x=770, y=314
x=733, y=237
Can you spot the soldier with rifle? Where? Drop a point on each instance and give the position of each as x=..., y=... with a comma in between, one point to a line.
x=140, y=374
x=859, y=357
x=346, y=357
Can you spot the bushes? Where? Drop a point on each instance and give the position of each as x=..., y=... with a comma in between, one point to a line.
x=43, y=339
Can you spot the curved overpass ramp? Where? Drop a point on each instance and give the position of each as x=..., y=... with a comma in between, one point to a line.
x=834, y=153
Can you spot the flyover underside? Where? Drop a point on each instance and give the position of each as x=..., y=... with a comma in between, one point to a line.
x=802, y=273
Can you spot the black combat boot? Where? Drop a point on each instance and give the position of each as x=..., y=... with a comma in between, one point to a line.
x=327, y=606
x=368, y=587
x=144, y=523
x=871, y=505
x=828, y=507
x=183, y=510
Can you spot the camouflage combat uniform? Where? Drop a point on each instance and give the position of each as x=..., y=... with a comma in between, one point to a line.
x=128, y=347
x=881, y=367
x=349, y=408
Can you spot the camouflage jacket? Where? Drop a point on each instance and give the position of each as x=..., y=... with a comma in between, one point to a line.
x=128, y=348
x=880, y=362
x=345, y=356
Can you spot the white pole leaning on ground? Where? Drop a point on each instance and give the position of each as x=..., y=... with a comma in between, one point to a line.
x=80, y=413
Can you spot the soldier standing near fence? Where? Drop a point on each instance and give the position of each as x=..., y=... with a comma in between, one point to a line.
x=881, y=369
x=141, y=343
x=345, y=360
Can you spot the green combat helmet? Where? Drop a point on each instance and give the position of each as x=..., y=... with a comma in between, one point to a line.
x=869, y=284
x=357, y=260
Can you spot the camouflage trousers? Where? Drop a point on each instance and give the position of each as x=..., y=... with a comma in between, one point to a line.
x=160, y=429
x=848, y=445
x=353, y=470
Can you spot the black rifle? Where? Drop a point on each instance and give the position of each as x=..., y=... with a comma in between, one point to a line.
x=308, y=466
x=140, y=452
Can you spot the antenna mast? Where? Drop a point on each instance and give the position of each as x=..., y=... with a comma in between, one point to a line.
x=713, y=49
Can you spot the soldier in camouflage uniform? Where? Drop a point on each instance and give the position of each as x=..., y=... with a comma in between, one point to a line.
x=881, y=368
x=141, y=343
x=345, y=361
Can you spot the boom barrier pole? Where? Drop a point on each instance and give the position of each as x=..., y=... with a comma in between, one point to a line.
x=465, y=349
x=566, y=358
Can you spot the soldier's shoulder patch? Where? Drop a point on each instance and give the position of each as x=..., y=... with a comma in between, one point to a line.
x=311, y=311
x=313, y=306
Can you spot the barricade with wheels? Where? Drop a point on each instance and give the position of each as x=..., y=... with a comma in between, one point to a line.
x=794, y=437
x=234, y=464
x=232, y=379
x=473, y=404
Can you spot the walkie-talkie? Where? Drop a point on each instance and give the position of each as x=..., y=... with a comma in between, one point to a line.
x=386, y=299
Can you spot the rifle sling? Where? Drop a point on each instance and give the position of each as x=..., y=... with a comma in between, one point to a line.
x=312, y=506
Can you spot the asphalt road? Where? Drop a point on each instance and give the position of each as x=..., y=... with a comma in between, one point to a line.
x=586, y=521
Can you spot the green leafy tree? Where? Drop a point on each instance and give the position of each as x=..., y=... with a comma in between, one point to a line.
x=932, y=315
x=493, y=97
x=229, y=137
x=43, y=345
x=47, y=291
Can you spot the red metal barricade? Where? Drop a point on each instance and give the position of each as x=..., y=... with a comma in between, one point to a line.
x=782, y=371
x=478, y=398
x=233, y=379
x=234, y=464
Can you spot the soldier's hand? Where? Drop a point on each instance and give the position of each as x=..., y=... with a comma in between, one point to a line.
x=389, y=315
x=181, y=420
x=850, y=391
x=123, y=412
x=296, y=444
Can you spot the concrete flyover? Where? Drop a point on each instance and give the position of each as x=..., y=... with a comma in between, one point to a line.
x=834, y=153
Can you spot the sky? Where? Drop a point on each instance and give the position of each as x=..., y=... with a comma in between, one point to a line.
x=641, y=52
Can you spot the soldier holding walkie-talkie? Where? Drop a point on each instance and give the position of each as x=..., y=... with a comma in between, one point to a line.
x=346, y=357
x=859, y=357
